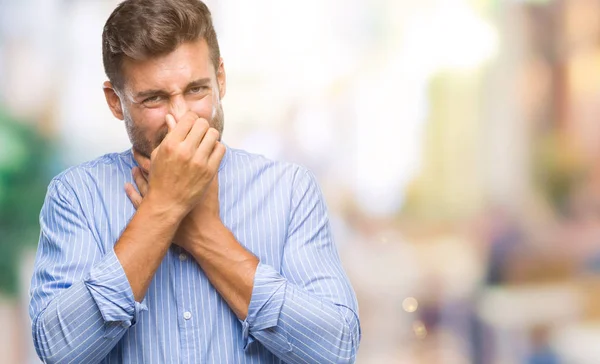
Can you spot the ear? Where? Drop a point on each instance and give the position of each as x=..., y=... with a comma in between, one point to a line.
x=113, y=100
x=221, y=79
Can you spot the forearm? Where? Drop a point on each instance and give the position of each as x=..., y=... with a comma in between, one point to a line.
x=299, y=326
x=86, y=320
x=228, y=265
x=72, y=329
x=144, y=243
x=322, y=332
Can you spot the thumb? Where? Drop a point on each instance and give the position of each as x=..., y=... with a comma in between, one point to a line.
x=143, y=162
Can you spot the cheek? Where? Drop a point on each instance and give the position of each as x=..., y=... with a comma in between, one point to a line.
x=151, y=120
x=203, y=107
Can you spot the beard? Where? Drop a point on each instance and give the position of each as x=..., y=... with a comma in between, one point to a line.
x=146, y=146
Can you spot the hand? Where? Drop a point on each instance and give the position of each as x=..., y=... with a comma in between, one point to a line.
x=181, y=167
x=199, y=220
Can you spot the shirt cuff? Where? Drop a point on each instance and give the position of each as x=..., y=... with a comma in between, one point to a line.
x=268, y=295
x=112, y=292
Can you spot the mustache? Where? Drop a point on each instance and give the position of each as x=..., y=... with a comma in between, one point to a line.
x=162, y=134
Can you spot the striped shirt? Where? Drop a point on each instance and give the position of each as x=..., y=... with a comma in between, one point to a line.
x=302, y=308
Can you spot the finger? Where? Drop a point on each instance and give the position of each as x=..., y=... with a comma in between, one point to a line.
x=182, y=127
x=214, y=161
x=194, y=138
x=171, y=124
x=208, y=143
x=140, y=181
x=134, y=196
x=142, y=161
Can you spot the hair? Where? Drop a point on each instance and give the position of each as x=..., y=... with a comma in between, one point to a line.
x=142, y=29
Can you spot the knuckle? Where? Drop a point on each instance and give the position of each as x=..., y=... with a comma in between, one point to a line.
x=183, y=153
x=169, y=147
x=199, y=163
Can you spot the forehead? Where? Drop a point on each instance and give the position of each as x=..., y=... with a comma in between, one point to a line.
x=189, y=61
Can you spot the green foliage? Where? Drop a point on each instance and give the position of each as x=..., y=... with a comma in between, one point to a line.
x=23, y=181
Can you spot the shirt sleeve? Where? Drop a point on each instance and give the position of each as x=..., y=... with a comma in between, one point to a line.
x=81, y=301
x=308, y=312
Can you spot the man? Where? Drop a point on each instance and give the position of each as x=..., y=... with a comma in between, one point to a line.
x=218, y=255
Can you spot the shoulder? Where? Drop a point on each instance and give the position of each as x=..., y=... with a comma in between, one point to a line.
x=78, y=178
x=239, y=161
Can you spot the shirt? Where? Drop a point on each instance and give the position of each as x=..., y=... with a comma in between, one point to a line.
x=302, y=309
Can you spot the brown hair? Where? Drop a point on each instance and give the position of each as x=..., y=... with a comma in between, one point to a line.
x=141, y=29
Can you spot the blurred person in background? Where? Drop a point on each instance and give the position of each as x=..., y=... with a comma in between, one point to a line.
x=218, y=255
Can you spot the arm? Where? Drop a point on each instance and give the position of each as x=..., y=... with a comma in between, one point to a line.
x=305, y=314
x=82, y=299
x=300, y=319
x=83, y=302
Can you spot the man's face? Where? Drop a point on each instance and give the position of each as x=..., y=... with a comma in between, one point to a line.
x=183, y=80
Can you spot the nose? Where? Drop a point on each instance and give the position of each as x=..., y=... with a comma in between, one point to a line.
x=178, y=106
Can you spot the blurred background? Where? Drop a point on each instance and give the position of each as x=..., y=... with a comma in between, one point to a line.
x=456, y=143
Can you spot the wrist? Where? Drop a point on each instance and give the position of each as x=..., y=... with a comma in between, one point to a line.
x=212, y=231
x=209, y=235
x=170, y=212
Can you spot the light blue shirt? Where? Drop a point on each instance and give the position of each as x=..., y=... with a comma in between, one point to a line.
x=302, y=309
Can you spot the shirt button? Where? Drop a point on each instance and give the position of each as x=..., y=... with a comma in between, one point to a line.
x=187, y=315
x=182, y=256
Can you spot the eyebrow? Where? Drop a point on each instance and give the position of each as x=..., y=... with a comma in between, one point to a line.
x=149, y=93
